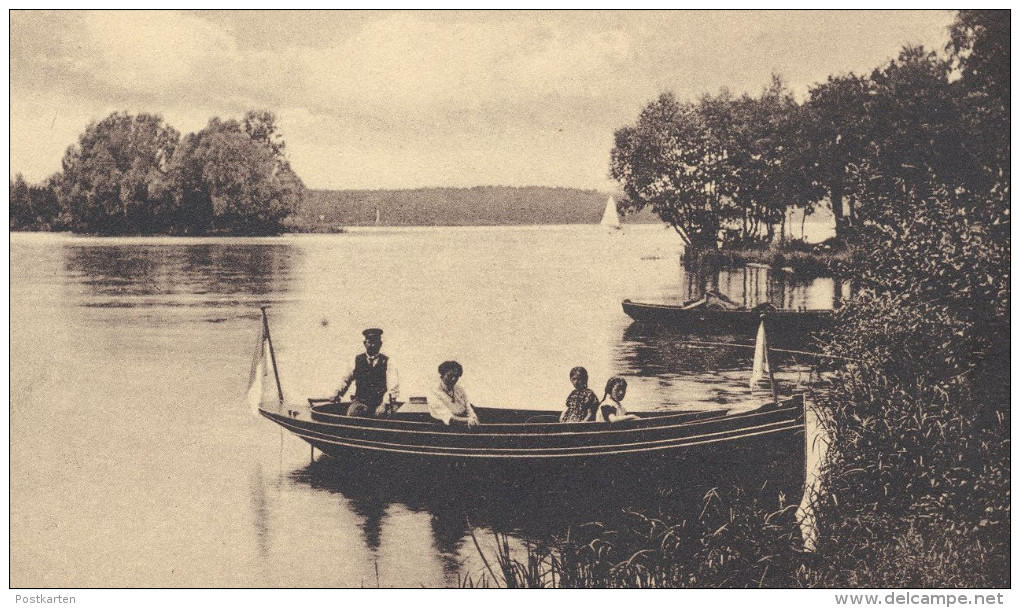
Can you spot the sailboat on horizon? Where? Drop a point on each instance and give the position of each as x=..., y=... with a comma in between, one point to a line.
x=611, y=217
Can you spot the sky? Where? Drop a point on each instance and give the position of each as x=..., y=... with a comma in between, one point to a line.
x=406, y=99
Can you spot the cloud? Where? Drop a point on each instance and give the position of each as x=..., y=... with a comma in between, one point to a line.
x=507, y=95
x=147, y=51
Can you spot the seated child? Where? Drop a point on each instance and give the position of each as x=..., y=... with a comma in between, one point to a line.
x=612, y=409
x=582, y=403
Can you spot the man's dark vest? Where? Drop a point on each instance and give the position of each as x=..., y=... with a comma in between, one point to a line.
x=371, y=380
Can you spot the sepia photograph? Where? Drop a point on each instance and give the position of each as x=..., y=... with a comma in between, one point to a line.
x=447, y=299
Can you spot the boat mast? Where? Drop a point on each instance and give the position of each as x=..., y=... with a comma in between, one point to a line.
x=272, y=354
x=768, y=359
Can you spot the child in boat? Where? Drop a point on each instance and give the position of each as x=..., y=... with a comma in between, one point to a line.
x=582, y=402
x=612, y=409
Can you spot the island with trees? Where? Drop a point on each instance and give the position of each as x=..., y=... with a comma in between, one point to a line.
x=135, y=175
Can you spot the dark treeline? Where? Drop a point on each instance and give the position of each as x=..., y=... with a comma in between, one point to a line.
x=727, y=168
x=326, y=210
x=136, y=175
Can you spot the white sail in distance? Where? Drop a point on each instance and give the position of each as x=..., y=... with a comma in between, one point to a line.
x=610, y=217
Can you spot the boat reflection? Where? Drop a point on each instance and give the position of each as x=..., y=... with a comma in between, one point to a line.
x=651, y=349
x=675, y=370
x=756, y=284
x=528, y=505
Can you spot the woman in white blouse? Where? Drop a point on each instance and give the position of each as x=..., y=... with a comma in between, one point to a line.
x=449, y=403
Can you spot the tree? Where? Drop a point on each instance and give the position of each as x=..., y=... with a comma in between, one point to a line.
x=671, y=161
x=724, y=165
x=769, y=174
x=916, y=139
x=233, y=178
x=260, y=125
x=835, y=135
x=35, y=207
x=22, y=216
x=115, y=178
x=980, y=51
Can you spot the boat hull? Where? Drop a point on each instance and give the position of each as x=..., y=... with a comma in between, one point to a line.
x=788, y=323
x=705, y=438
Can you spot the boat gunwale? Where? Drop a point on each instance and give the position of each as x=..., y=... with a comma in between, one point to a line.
x=678, y=308
x=793, y=404
x=794, y=425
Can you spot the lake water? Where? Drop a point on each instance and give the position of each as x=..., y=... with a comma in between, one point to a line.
x=136, y=462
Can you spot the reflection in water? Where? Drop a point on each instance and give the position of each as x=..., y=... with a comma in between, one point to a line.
x=671, y=369
x=753, y=285
x=652, y=349
x=106, y=333
x=260, y=509
x=372, y=510
x=199, y=275
x=535, y=504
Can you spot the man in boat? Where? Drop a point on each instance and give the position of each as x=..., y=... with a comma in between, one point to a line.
x=449, y=403
x=374, y=375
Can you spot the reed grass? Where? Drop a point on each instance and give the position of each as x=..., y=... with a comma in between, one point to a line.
x=733, y=541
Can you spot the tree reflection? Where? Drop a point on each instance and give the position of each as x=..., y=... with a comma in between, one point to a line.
x=187, y=274
x=755, y=284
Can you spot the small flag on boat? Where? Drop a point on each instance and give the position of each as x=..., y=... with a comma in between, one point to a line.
x=263, y=372
x=760, y=367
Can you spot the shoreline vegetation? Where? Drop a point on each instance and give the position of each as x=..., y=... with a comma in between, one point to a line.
x=336, y=211
x=914, y=490
x=803, y=260
x=913, y=162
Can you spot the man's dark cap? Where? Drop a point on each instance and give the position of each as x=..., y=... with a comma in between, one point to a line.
x=372, y=332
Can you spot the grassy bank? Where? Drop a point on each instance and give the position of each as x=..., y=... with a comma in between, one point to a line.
x=709, y=546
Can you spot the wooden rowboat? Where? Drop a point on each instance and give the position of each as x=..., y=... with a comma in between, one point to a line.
x=741, y=322
x=534, y=436
x=524, y=437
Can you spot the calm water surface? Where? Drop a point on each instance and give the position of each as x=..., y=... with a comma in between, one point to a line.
x=136, y=462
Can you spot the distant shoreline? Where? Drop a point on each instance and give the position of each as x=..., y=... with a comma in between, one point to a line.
x=346, y=230
x=330, y=210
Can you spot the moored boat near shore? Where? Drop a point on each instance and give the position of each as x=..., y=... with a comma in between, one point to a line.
x=782, y=324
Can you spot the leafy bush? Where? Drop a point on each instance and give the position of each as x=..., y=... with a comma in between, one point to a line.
x=919, y=418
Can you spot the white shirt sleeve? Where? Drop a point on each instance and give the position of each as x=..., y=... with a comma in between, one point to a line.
x=439, y=406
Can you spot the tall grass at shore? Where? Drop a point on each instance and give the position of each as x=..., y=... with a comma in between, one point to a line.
x=732, y=540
